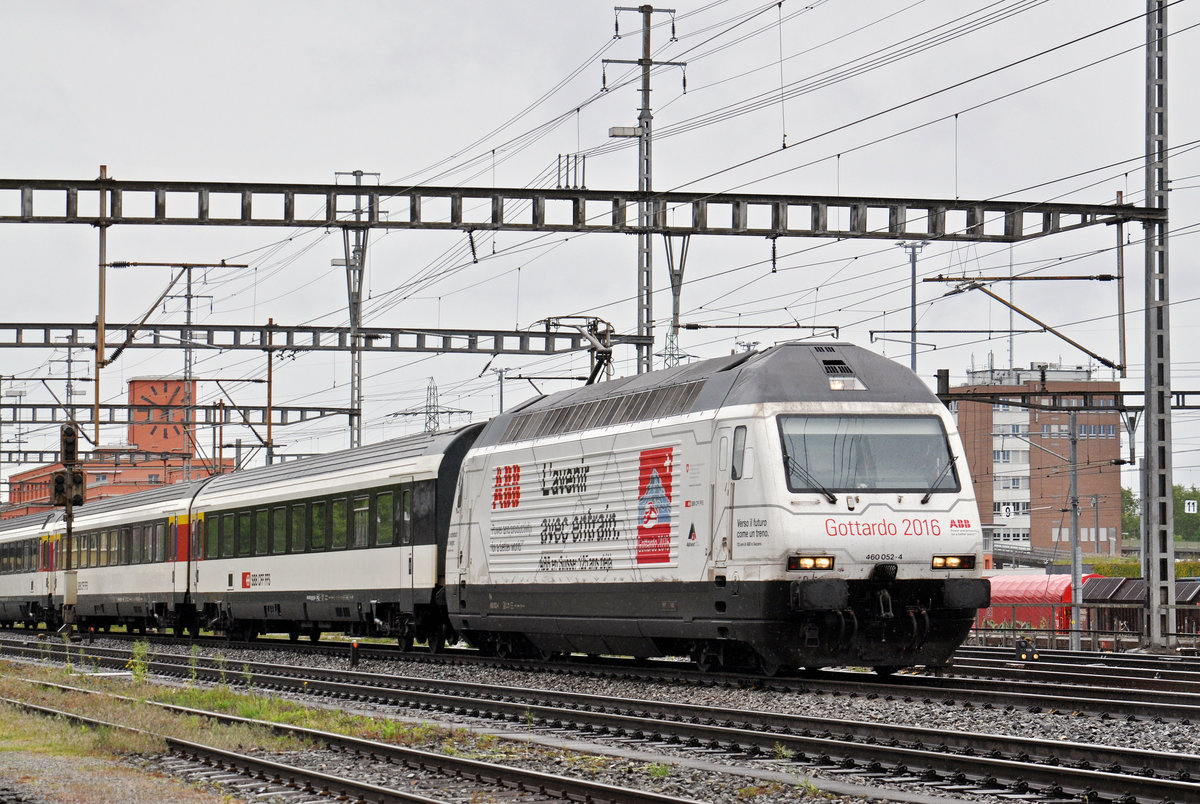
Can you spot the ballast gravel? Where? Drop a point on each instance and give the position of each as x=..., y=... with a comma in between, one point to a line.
x=717, y=777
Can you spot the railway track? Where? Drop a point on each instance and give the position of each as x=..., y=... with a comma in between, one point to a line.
x=940, y=760
x=443, y=777
x=998, y=682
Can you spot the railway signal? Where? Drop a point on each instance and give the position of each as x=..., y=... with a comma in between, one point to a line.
x=59, y=487
x=69, y=445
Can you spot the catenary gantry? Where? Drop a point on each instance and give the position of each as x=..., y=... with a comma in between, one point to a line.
x=545, y=210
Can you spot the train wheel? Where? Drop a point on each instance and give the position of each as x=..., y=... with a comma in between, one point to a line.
x=294, y=635
x=769, y=667
x=707, y=659
x=405, y=641
x=886, y=670
x=315, y=636
x=437, y=640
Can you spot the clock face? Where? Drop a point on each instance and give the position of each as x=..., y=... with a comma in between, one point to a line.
x=163, y=427
x=163, y=397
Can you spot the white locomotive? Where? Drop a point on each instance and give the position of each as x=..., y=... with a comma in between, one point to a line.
x=807, y=505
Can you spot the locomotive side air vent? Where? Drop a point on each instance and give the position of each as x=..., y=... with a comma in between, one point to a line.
x=837, y=368
x=672, y=400
x=825, y=349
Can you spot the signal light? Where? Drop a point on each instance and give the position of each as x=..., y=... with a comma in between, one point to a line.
x=1026, y=652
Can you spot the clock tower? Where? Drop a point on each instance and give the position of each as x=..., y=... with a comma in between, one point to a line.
x=161, y=428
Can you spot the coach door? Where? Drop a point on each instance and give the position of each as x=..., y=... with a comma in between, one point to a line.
x=733, y=465
x=404, y=533
x=721, y=546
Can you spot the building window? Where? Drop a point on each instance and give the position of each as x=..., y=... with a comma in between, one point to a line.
x=1001, y=456
x=153, y=478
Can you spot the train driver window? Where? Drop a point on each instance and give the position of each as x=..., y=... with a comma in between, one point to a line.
x=384, y=519
x=318, y=526
x=299, y=528
x=739, y=453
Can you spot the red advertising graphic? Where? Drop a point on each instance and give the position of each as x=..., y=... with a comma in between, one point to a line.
x=654, y=506
x=245, y=580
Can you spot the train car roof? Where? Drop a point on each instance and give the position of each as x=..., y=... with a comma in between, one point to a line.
x=382, y=452
x=790, y=372
x=395, y=449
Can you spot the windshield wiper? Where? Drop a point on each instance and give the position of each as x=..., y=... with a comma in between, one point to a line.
x=937, y=481
x=791, y=464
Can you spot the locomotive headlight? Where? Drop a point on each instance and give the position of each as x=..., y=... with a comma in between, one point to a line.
x=796, y=563
x=954, y=562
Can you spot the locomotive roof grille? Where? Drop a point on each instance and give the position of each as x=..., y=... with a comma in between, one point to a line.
x=656, y=403
x=837, y=367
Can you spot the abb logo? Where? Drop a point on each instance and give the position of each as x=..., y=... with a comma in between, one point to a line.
x=507, y=491
x=960, y=523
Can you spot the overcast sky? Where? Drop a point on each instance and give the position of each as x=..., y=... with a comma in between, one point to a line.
x=872, y=98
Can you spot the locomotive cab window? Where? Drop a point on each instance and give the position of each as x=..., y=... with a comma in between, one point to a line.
x=866, y=453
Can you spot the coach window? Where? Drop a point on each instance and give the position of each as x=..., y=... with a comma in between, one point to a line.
x=279, y=530
x=260, y=532
x=135, y=544
x=424, y=511
x=384, y=519
x=196, y=538
x=212, y=537
x=101, y=548
x=228, y=536
x=245, y=532
x=124, y=549
x=319, y=526
x=739, y=453
x=161, y=551
x=299, y=528
x=361, y=534
x=404, y=515
x=94, y=549
x=339, y=509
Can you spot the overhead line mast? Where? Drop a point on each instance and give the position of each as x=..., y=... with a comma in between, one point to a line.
x=645, y=264
x=1158, y=518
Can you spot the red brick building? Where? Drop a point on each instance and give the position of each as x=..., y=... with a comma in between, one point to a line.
x=158, y=452
x=1018, y=459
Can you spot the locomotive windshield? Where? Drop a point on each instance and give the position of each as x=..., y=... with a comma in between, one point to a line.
x=866, y=453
